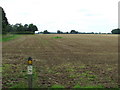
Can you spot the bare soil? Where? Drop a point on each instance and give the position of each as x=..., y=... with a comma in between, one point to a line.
x=85, y=60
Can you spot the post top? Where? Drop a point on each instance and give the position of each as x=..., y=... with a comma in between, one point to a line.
x=29, y=58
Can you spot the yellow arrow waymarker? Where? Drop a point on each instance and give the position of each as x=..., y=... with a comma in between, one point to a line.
x=29, y=62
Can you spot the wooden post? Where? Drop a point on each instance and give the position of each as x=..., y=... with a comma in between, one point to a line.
x=30, y=72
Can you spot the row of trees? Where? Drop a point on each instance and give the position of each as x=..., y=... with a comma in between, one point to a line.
x=71, y=32
x=17, y=28
x=114, y=31
x=20, y=29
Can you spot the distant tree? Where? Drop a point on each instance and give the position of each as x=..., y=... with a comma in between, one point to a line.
x=35, y=28
x=90, y=33
x=32, y=28
x=59, y=32
x=25, y=27
x=9, y=28
x=115, y=31
x=45, y=32
x=67, y=32
x=74, y=32
x=18, y=28
x=40, y=32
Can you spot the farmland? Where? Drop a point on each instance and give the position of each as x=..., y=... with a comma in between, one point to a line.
x=71, y=60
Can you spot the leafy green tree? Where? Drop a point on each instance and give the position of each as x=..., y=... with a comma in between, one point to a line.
x=25, y=27
x=20, y=27
x=9, y=28
x=59, y=32
x=45, y=32
x=4, y=22
x=67, y=32
x=116, y=31
x=73, y=32
x=32, y=28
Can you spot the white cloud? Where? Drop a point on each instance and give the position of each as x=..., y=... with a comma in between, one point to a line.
x=81, y=15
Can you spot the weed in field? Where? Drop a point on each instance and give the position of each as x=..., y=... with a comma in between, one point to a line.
x=6, y=69
x=0, y=69
x=73, y=76
x=81, y=78
x=109, y=69
x=77, y=86
x=35, y=77
x=23, y=71
x=50, y=71
x=84, y=74
x=57, y=86
x=57, y=73
x=70, y=70
x=82, y=66
x=0, y=39
x=57, y=37
x=25, y=76
x=20, y=85
x=98, y=86
x=89, y=75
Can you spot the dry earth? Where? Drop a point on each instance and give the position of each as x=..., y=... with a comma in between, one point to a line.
x=74, y=59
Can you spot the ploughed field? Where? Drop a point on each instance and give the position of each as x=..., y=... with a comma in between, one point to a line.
x=84, y=60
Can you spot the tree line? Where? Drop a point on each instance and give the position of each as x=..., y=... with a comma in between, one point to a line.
x=114, y=31
x=71, y=32
x=18, y=28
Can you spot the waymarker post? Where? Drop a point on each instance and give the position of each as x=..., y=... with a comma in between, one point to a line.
x=30, y=72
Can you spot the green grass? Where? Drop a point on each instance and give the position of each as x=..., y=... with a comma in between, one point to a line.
x=82, y=66
x=0, y=37
x=77, y=86
x=35, y=78
x=70, y=70
x=8, y=37
x=57, y=86
x=25, y=76
x=98, y=86
x=0, y=69
x=20, y=85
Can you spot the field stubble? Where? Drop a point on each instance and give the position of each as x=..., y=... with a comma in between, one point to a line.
x=85, y=60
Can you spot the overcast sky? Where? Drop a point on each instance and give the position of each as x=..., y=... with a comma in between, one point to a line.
x=64, y=15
